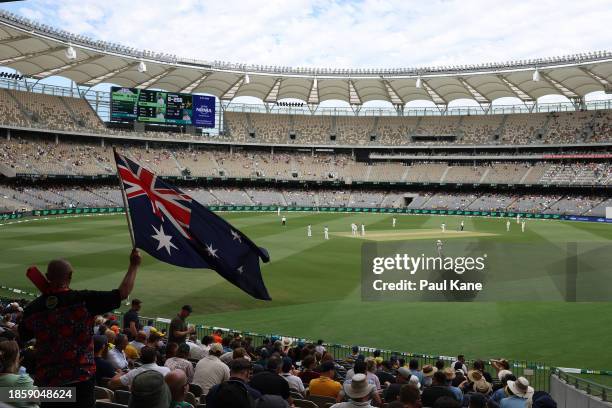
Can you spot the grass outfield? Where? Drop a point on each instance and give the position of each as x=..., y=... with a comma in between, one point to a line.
x=316, y=286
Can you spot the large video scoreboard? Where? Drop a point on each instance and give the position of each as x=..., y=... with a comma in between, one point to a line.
x=170, y=108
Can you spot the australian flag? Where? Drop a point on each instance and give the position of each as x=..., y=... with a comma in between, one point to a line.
x=174, y=228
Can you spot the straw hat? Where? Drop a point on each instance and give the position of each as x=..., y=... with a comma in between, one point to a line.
x=429, y=370
x=482, y=386
x=474, y=376
x=521, y=388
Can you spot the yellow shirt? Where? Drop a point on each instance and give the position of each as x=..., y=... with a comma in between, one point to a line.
x=324, y=386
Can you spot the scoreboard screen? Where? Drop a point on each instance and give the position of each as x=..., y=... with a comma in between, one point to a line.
x=124, y=104
x=129, y=104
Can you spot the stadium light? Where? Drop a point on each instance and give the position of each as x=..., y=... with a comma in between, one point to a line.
x=70, y=53
x=247, y=79
x=418, y=82
x=536, y=75
x=142, y=67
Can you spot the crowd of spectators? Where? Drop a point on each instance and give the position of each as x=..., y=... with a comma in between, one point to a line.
x=72, y=338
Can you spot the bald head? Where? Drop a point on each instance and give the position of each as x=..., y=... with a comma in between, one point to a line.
x=177, y=381
x=59, y=273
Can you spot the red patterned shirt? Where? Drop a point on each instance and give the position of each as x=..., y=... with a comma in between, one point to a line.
x=62, y=324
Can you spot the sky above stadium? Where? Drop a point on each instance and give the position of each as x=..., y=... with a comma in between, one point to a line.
x=367, y=34
x=337, y=33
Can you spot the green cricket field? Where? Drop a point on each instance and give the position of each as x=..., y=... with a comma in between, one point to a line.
x=315, y=284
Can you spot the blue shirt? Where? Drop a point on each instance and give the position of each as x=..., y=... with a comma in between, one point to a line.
x=498, y=395
x=513, y=402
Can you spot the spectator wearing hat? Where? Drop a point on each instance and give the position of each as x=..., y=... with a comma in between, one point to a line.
x=64, y=355
x=176, y=359
x=519, y=394
x=116, y=355
x=269, y=381
x=450, y=376
x=392, y=392
x=131, y=322
x=235, y=392
x=325, y=385
x=499, y=382
x=480, y=366
x=211, y=371
x=104, y=369
x=9, y=372
x=148, y=356
x=148, y=390
x=428, y=372
x=358, y=391
x=294, y=381
x=179, y=330
x=437, y=390
x=179, y=385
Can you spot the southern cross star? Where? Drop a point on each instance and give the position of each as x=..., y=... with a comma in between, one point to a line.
x=164, y=241
x=211, y=251
x=236, y=236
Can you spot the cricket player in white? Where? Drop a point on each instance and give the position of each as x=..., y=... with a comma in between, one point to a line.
x=443, y=227
x=522, y=226
x=284, y=221
x=508, y=226
x=309, y=231
x=394, y=221
x=354, y=229
x=439, y=246
x=326, y=232
x=462, y=226
x=278, y=211
x=518, y=218
x=362, y=230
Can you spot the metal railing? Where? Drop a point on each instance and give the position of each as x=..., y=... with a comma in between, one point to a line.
x=604, y=392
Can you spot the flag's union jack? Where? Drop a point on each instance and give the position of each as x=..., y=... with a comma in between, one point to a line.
x=165, y=202
x=171, y=226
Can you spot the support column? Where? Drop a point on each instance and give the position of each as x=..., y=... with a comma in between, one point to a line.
x=102, y=142
x=8, y=134
x=56, y=139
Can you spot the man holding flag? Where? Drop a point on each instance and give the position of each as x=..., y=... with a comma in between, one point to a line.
x=172, y=227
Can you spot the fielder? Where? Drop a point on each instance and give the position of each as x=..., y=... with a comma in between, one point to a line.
x=354, y=229
x=518, y=218
x=326, y=232
x=508, y=226
x=394, y=221
x=309, y=231
x=278, y=211
x=443, y=226
x=461, y=226
x=362, y=230
x=522, y=226
x=439, y=246
x=284, y=221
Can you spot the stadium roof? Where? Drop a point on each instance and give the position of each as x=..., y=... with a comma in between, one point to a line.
x=39, y=51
